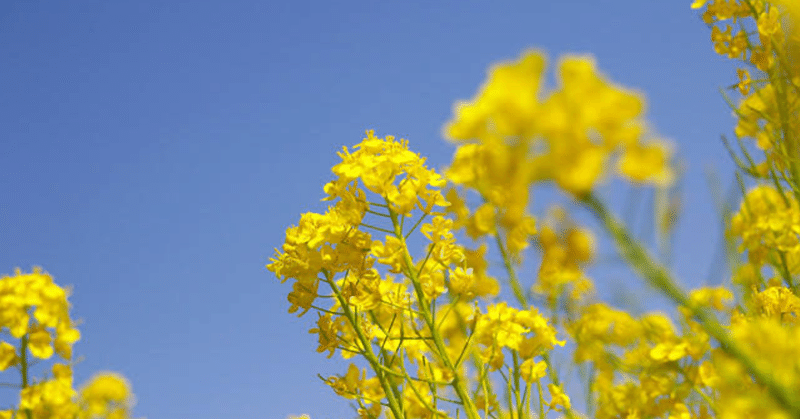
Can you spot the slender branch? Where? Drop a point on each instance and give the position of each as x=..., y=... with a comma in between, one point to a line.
x=457, y=382
x=388, y=388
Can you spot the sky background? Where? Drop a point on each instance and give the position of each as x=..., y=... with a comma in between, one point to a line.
x=154, y=152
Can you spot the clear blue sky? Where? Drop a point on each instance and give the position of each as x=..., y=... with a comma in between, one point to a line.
x=153, y=153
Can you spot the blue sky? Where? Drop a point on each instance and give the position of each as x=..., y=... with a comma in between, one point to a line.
x=153, y=153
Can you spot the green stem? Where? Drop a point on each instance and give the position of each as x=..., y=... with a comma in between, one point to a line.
x=517, y=288
x=512, y=275
x=23, y=361
x=541, y=399
x=457, y=383
x=521, y=414
x=388, y=389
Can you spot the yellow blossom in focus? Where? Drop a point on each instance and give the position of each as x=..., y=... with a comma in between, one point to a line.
x=524, y=331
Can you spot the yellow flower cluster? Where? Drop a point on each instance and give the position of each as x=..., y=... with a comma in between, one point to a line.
x=107, y=395
x=50, y=329
x=566, y=250
x=331, y=242
x=663, y=366
x=778, y=303
x=768, y=111
x=35, y=311
x=514, y=137
x=52, y=398
x=758, y=118
x=760, y=378
x=506, y=327
x=408, y=316
x=768, y=222
x=776, y=346
x=373, y=314
x=377, y=163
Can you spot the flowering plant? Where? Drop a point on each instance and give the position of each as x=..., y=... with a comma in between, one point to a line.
x=425, y=321
x=34, y=313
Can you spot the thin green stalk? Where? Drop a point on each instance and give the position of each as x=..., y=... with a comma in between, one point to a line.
x=388, y=388
x=512, y=275
x=23, y=361
x=541, y=399
x=414, y=227
x=520, y=411
x=514, y=282
x=457, y=383
x=382, y=230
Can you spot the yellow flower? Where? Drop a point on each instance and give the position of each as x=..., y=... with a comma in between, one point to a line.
x=507, y=103
x=459, y=281
x=708, y=375
x=767, y=221
x=769, y=25
x=51, y=398
x=519, y=236
x=647, y=163
x=531, y=371
x=328, y=330
x=302, y=296
x=668, y=351
x=744, y=81
x=567, y=138
x=580, y=244
x=8, y=355
x=348, y=385
x=558, y=399
x=106, y=395
x=711, y=297
x=586, y=169
x=418, y=401
x=482, y=221
x=39, y=343
x=66, y=336
x=51, y=329
x=779, y=303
